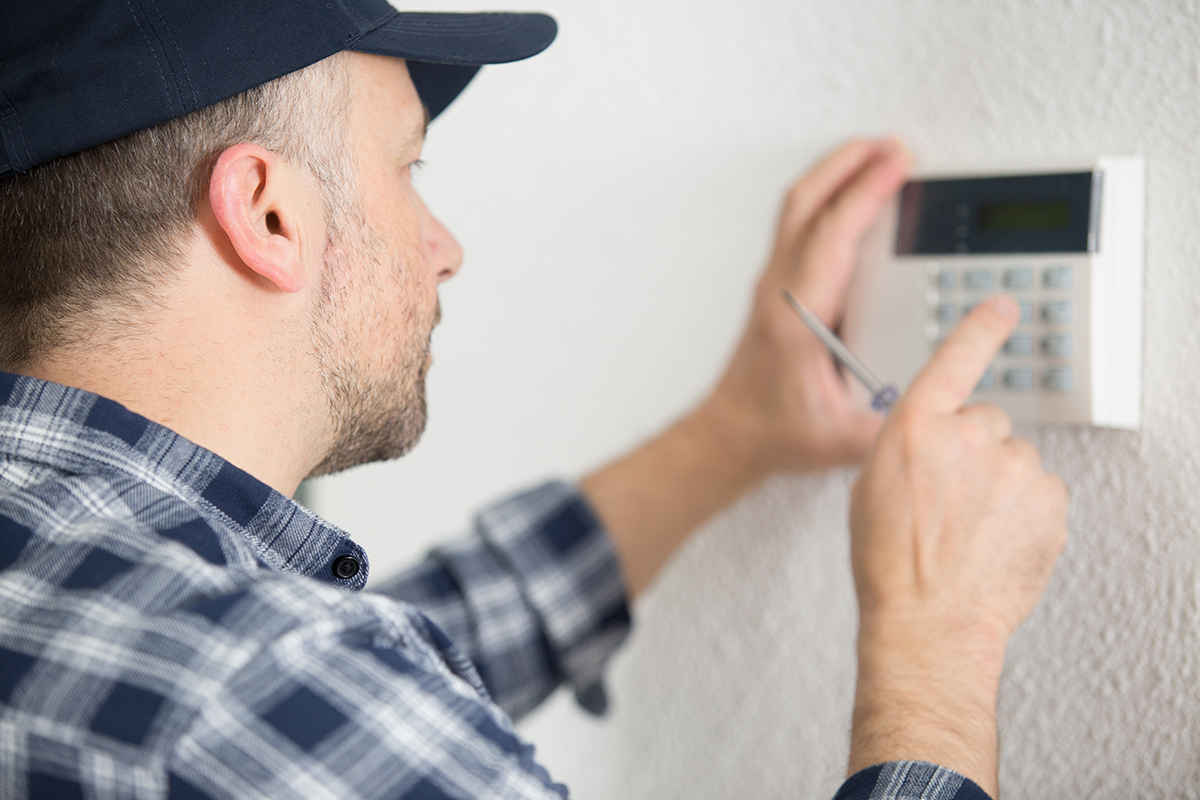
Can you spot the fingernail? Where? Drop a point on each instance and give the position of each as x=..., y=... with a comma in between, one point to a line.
x=1003, y=305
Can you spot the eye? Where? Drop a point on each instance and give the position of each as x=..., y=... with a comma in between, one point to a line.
x=408, y=172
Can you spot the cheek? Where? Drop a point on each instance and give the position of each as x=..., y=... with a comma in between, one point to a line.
x=398, y=257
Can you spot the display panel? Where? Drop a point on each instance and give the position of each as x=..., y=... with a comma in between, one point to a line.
x=1011, y=214
x=1051, y=215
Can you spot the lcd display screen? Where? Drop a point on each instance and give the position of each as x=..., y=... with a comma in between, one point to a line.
x=1052, y=215
x=1037, y=213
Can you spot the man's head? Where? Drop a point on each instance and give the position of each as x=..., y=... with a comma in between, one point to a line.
x=300, y=184
x=87, y=241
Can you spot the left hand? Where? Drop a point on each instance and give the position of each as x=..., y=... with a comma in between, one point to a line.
x=782, y=404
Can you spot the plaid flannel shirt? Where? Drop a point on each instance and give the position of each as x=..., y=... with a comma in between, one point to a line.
x=172, y=627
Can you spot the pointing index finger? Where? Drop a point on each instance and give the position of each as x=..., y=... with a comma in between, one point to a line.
x=955, y=369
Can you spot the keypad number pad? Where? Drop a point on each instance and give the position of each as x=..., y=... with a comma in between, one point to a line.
x=1038, y=356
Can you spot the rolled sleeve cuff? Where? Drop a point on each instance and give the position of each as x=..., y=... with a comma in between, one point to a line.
x=571, y=578
x=910, y=780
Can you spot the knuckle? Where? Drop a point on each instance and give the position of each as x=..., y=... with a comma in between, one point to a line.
x=1024, y=461
x=907, y=434
x=1060, y=493
x=974, y=434
x=992, y=416
x=1025, y=450
x=996, y=413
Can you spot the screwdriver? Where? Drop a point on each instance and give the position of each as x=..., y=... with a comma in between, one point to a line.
x=883, y=396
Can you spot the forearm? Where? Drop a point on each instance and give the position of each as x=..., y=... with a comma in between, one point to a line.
x=917, y=701
x=653, y=498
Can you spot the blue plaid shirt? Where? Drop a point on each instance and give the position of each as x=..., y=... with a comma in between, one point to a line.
x=172, y=627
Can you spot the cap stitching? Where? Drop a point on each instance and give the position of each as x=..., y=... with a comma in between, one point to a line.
x=187, y=78
x=485, y=24
x=374, y=25
x=173, y=87
x=10, y=124
x=353, y=14
x=8, y=159
x=154, y=54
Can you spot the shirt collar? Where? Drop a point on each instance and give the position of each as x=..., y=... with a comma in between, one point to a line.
x=76, y=431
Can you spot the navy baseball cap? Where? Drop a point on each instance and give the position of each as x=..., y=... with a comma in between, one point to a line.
x=78, y=73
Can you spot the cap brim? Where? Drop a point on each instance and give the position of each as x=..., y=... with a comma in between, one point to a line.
x=445, y=51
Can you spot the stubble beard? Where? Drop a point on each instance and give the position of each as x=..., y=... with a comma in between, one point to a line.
x=376, y=414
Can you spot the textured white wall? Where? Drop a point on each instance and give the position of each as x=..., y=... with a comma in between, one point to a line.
x=615, y=197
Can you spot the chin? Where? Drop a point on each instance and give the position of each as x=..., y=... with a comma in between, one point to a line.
x=382, y=430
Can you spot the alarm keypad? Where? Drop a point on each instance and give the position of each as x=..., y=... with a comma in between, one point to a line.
x=1037, y=358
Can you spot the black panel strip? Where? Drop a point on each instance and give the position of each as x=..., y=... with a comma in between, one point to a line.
x=1011, y=214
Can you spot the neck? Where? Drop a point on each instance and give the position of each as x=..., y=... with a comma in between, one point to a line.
x=220, y=366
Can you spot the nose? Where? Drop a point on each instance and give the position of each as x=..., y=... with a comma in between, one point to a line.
x=445, y=253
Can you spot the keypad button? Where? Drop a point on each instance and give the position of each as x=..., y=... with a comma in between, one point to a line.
x=1018, y=278
x=946, y=280
x=1017, y=380
x=1019, y=345
x=1058, y=379
x=1056, y=277
x=1026, y=307
x=944, y=313
x=1057, y=312
x=1057, y=345
x=988, y=382
x=967, y=307
x=977, y=279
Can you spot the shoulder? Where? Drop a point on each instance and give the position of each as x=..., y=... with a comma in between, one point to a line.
x=151, y=666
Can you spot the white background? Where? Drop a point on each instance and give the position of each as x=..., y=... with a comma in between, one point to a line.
x=616, y=196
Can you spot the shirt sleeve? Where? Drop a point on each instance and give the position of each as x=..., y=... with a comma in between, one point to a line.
x=910, y=780
x=534, y=596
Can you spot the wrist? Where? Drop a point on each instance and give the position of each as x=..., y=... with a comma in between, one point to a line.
x=654, y=497
x=925, y=695
x=715, y=430
x=927, y=642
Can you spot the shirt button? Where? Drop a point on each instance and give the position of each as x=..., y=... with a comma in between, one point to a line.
x=345, y=567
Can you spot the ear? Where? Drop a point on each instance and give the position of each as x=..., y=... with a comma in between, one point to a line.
x=259, y=203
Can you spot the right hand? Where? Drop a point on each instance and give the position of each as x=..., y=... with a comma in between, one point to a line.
x=953, y=517
x=955, y=530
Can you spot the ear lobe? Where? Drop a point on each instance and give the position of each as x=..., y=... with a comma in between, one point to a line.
x=258, y=203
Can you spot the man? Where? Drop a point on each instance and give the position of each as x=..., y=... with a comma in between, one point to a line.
x=218, y=279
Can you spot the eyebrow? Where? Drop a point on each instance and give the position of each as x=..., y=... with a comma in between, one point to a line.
x=411, y=140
